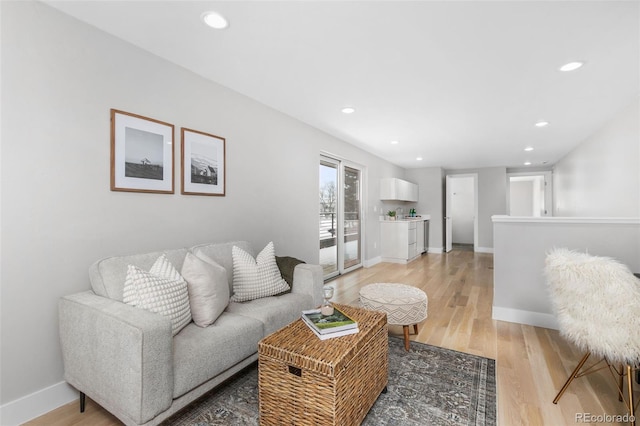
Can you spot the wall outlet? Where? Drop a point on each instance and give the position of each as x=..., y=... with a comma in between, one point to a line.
x=375, y=245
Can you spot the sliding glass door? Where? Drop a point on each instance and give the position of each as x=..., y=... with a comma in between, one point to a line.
x=352, y=218
x=340, y=223
x=329, y=184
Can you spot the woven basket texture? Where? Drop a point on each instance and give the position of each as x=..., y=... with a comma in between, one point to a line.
x=307, y=381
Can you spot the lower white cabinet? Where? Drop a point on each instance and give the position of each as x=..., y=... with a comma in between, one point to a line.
x=399, y=241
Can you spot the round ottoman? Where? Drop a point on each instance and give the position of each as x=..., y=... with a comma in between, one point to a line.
x=405, y=305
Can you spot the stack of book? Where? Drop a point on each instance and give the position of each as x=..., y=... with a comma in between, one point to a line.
x=329, y=326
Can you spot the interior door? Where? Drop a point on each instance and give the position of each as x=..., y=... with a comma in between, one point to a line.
x=470, y=208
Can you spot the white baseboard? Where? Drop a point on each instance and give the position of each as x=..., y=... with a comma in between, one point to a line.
x=483, y=250
x=537, y=319
x=370, y=262
x=436, y=250
x=36, y=404
x=394, y=260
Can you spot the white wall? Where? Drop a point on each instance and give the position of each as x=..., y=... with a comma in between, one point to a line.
x=521, y=198
x=462, y=209
x=492, y=200
x=431, y=201
x=59, y=79
x=601, y=177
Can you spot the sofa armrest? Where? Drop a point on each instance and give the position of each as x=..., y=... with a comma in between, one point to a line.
x=308, y=279
x=119, y=355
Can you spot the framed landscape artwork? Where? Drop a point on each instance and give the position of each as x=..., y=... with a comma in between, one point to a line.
x=203, y=163
x=142, y=155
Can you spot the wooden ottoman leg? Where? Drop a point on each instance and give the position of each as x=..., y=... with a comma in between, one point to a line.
x=405, y=328
x=415, y=328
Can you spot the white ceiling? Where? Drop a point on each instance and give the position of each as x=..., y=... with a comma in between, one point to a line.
x=460, y=84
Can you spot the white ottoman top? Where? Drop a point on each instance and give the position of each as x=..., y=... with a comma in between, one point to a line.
x=402, y=303
x=392, y=293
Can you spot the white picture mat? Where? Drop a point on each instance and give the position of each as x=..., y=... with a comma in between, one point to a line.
x=213, y=147
x=122, y=121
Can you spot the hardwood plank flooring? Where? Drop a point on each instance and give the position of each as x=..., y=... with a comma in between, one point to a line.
x=531, y=363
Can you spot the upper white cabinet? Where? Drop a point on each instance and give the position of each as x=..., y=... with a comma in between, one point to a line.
x=398, y=189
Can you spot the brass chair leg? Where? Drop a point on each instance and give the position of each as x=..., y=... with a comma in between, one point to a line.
x=571, y=377
x=621, y=385
x=630, y=388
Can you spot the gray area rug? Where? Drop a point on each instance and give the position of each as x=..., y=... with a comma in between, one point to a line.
x=427, y=386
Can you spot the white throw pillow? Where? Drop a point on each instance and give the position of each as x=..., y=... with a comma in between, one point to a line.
x=208, y=288
x=161, y=290
x=256, y=278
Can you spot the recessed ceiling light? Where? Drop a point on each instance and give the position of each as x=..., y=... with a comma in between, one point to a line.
x=571, y=66
x=527, y=163
x=529, y=148
x=215, y=20
x=348, y=110
x=419, y=158
x=394, y=142
x=542, y=124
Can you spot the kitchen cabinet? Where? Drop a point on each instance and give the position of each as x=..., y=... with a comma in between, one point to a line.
x=402, y=241
x=398, y=190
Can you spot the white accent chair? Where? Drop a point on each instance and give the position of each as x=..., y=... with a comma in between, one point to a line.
x=597, y=302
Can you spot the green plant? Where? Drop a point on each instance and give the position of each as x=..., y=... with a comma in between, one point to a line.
x=391, y=213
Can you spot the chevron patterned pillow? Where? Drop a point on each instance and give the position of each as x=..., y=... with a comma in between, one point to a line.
x=256, y=278
x=161, y=290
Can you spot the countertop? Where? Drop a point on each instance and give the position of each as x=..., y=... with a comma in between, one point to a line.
x=407, y=219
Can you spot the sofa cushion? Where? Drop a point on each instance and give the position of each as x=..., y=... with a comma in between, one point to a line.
x=200, y=354
x=274, y=312
x=161, y=290
x=256, y=278
x=222, y=254
x=208, y=288
x=107, y=275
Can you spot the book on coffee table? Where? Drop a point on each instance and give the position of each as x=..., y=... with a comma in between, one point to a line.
x=328, y=324
x=333, y=334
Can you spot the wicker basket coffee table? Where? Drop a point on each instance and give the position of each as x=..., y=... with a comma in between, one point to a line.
x=303, y=380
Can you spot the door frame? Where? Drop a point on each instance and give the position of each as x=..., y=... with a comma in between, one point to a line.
x=448, y=223
x=548, y=189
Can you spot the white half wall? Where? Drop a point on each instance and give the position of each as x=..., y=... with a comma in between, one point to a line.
x=521, y=243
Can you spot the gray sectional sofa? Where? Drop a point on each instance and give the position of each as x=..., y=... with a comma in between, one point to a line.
x=126, y=359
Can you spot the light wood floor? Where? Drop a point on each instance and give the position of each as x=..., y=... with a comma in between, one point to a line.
x=532, y=363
